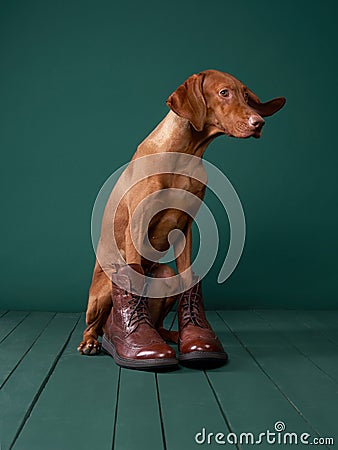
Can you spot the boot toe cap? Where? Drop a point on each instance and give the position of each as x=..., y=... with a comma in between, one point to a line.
x=199, y=340
x=201, y=345
x=156, y=352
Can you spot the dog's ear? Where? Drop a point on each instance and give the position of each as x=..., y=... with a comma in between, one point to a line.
x=265, y=109
x=188, y=101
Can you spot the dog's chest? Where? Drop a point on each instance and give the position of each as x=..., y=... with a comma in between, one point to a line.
x=189, y=184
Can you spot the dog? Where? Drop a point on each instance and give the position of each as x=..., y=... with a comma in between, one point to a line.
x=208, y=104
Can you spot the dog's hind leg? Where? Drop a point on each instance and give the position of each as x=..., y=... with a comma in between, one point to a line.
x=98, y=310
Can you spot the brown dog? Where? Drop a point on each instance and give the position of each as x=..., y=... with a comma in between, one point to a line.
x=207, y=105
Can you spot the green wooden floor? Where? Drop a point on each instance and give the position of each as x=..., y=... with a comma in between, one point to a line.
x=283, y=367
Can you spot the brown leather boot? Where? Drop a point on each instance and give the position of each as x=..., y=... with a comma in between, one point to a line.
x=129, y=334
x=198, y=344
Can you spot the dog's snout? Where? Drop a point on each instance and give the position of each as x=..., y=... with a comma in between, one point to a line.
x=256, y=122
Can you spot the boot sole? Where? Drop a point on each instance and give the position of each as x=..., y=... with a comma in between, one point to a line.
x=141, y=364
x=203, y=359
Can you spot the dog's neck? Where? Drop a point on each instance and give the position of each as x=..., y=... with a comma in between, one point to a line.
x=176, y=134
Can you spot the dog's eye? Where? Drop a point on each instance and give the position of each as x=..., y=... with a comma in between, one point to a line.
x=246, y=96
x=224, y=93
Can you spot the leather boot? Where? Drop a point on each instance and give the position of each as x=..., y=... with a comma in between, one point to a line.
x=198, y=344
x=129, y=334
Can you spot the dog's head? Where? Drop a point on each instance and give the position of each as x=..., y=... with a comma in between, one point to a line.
x=217, y=99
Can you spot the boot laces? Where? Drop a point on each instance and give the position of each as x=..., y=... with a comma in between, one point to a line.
x=190, y=304
x=139, y=311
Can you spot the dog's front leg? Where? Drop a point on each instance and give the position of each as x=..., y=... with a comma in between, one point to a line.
x=183, y=259
x=134, y=232
x=136, y=245
x=132, y=255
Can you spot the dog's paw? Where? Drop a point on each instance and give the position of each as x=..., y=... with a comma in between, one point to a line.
x=89, y=347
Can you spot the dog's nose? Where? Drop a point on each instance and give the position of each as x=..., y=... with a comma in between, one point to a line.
x=256, y=121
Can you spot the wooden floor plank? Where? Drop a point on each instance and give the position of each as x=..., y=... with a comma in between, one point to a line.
x=326, y=316
x=249, y=399
x=76, y=409
x=282, y=367
x=17, y=344
x=17, y=396
x=10, y=321
x=138, y=423
x=308, y=388
x=324, y=321
x=307, y=339
x=188, y=405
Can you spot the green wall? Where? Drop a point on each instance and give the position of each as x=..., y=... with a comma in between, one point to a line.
x=83, y=82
